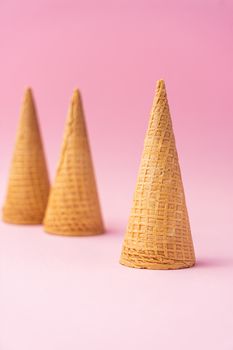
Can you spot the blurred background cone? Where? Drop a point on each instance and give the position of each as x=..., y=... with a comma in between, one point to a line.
x=158, y=234
x=73, y=206
x=28, y=185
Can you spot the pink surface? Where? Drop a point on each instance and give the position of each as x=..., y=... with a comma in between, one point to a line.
x=69, y=293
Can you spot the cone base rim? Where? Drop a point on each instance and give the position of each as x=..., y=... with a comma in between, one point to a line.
x=21, y=222
x=72, y=234
x=176, y=265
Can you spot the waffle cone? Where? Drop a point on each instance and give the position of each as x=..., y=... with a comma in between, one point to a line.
x=158, y=234
x=28, y=185
x=73, y=206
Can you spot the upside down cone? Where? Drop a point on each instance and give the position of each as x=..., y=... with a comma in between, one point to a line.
x=73, y=206
x=28, y=185
x=158, y=234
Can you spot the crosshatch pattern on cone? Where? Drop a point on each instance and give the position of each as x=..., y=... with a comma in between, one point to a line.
x=28, y=185
x=73, y=206
x=158, y=234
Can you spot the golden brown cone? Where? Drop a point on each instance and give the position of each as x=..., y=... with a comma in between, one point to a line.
x=28, y=185
x=158, y=234
x=73, y=206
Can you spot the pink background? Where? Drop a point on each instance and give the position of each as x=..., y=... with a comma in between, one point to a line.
x=70, y=293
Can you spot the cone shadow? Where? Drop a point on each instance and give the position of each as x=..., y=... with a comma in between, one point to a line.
x=214, y=263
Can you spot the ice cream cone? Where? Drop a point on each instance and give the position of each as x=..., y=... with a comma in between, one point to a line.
x=73, y=206
x=28, y=185
x=158, y=234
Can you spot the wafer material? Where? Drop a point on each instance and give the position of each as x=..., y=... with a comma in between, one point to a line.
x=73, y=206
x=28, y=185
x=158, y=234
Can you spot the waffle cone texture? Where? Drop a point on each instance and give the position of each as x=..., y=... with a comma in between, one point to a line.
x=28, y=185
x=158, y=234
x=73, y=206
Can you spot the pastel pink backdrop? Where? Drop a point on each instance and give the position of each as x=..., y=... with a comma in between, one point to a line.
x=60, y=293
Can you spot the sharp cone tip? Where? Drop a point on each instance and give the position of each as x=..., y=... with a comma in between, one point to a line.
x=28, y=96
x=160, y=84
